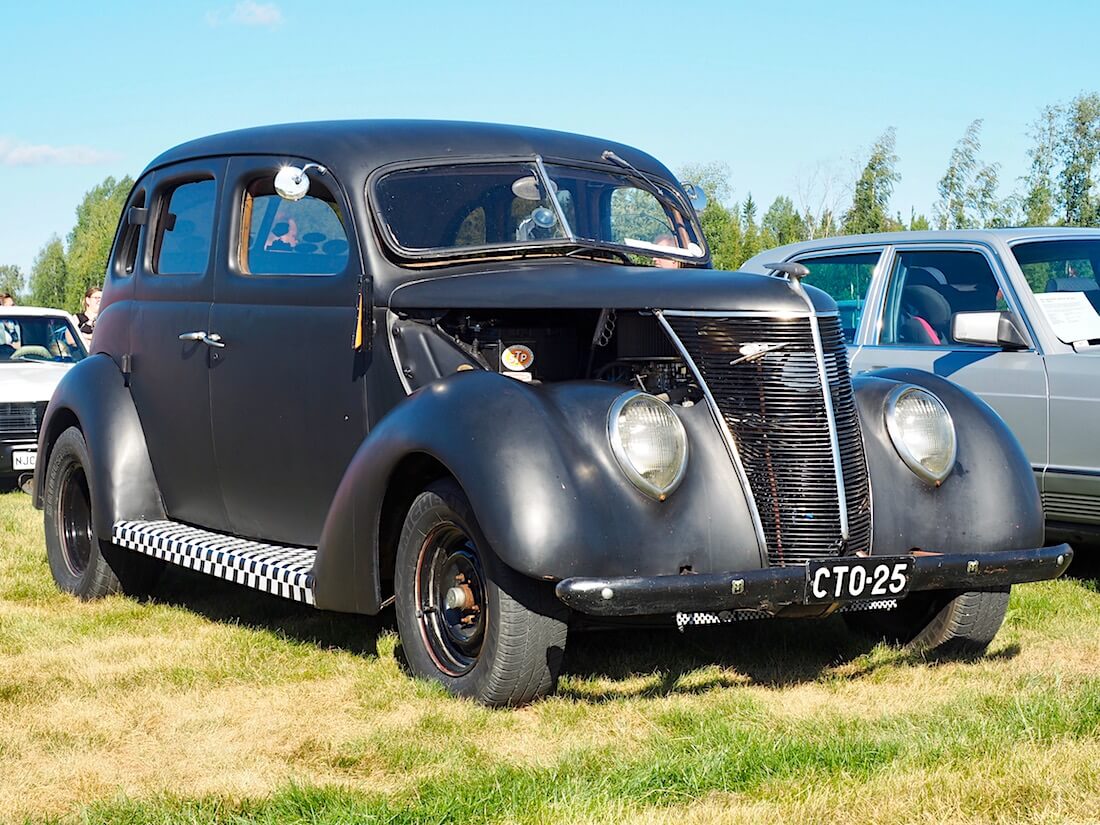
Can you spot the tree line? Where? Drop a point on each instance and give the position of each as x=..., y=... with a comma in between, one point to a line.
x=1061, y=187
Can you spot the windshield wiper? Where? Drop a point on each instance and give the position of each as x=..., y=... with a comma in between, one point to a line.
x=650, y=185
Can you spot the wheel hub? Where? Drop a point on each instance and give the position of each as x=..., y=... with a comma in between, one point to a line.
x=451, y=599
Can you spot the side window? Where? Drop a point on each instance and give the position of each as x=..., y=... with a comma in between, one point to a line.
x=928, y=287
x=281, y=237
x=185, y=229
x=846, y=278
x=126, y=253
x=637, y=215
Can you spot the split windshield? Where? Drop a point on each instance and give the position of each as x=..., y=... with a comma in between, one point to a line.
x=488, y=208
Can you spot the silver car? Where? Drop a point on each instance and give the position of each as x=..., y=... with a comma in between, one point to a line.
x=1011, y=314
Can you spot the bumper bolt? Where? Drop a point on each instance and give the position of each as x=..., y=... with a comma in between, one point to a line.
x=972, y=566
x=737, y=586
x=607, y=593
x=1061, y=559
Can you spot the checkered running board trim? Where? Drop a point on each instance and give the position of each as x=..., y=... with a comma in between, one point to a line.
x=272, y=568
x=722, y=617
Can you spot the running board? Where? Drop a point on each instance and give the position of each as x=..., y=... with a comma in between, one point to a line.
x=272, y=568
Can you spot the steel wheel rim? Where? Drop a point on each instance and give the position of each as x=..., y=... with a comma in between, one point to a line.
x=452, y=635
x=75, y=520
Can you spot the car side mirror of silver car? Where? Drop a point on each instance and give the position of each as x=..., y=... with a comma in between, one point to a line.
x=994, y=329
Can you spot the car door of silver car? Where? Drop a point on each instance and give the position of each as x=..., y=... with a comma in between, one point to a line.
x=911, y=327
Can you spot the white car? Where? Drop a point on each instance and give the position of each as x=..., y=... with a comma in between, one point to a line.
x=37, y=347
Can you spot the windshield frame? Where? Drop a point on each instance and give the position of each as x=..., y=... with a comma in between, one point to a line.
x=557, y=247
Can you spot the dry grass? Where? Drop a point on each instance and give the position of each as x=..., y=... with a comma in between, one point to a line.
x=211, y=702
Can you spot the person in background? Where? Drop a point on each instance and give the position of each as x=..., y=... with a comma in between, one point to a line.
x=86, y=320
x=666, y=263
x=6, y=299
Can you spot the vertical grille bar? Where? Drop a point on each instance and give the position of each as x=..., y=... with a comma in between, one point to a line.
x=766, y=377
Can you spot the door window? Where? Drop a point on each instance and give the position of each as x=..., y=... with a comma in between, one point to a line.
x=846, y=278
x=185, y=229
x=927, y=288
x=281, y=237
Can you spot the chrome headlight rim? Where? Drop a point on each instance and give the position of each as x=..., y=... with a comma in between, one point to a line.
x=619, y=451
x=894, y=428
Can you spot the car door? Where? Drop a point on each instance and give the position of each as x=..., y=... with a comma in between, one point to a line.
x=927, y=285
x=286, y=382
x=173, y=289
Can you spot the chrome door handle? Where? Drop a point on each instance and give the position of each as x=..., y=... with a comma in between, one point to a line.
x=211, y=339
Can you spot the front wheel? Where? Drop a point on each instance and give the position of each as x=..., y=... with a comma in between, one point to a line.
x=465, y=618
x=81, y=563
x=939, y=623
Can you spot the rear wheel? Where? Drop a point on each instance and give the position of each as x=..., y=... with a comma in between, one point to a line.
x=465, y=618
x=82, y=564
x=941, y=623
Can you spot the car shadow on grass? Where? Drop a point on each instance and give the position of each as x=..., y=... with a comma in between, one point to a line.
x=228, y=603
x=622, y=664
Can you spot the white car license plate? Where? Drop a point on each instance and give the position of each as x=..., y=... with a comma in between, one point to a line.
x=23, y=460
x=849, y=578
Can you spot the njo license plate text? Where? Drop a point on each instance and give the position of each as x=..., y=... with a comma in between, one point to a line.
x=856, y=578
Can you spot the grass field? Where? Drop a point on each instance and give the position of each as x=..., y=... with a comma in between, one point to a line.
x=217, y=704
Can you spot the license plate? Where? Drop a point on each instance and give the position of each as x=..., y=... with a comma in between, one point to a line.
x=847, y=579
x=23, y=461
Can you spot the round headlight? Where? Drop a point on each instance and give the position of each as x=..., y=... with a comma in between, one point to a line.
x=649, y=442
x=922, y=431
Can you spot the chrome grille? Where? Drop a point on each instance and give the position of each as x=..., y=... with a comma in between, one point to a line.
x=775, y=410
x=18, y=418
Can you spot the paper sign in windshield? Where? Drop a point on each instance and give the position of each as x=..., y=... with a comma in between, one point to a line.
x=1070, y=315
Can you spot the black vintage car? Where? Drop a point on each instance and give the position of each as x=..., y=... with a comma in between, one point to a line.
x=489, y=375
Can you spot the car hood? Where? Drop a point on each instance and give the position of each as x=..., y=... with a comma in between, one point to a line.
x=29, y=381
x=593, y=285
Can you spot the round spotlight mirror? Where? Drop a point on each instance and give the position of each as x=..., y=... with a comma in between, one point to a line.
x=696, y=196
x=291, y=183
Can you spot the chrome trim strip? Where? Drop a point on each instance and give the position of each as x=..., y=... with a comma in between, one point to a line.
x=723, y=427
x=782, y=316
x=834, y=439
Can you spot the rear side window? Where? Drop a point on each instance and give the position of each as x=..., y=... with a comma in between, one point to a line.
x=133, y=220
x=846, y=278
x=281, y=237
x=185, y=229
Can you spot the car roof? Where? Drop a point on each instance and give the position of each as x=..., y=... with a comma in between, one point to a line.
x=374, y=143
x=987, y=236
x=17, y=311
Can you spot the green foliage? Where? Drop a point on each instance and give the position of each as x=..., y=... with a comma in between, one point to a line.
x=783, y=222
x=90, y=240
x=968, y=189
x=1078, y=148
x=11, y=279
x=714, y=177
x=868, y=212
x=49, y=275
x=1038, y=201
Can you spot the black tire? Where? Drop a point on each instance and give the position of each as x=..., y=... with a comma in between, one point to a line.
x=503, y=643
x=951, y=624
x=82, y=564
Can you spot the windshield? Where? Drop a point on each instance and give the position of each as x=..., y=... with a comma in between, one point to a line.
x=489, y=208
x=39, y=338
x=1062, y=274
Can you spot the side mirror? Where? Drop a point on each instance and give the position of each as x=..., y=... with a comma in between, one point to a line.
x=992, y=329
x=292, y=183
x=696, y=196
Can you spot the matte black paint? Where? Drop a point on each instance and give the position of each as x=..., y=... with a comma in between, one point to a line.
x=774, y=588
x=537, y=468
x=93, y=397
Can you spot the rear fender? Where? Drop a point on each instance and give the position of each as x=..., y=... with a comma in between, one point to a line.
x=93, y=396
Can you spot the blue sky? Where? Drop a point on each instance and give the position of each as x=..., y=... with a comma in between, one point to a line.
x=789, y=94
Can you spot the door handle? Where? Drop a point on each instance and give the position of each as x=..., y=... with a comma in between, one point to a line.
x=210, y=339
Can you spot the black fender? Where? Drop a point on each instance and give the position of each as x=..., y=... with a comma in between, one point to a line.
x=989, y=502
x=537, y=466
x=93, y=396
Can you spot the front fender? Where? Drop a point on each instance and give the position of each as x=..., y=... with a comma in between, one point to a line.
x=548, y=494
x=989, y=502
x=93, y=396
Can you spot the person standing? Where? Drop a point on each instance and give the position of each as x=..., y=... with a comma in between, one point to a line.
x=86, y=320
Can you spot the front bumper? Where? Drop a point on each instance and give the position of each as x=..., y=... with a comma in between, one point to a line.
x=771, y=589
